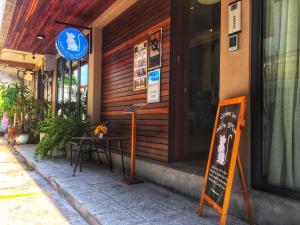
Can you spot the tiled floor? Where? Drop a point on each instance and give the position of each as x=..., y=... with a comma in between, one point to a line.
x=111, y=202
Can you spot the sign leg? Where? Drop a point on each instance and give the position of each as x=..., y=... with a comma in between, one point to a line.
x=223, y=219
x=133, y=139
x=132, y=179
x=200, y=209
x=245, y=192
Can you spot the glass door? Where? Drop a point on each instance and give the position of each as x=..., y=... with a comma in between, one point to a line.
x=201, y=75
x=275, y=101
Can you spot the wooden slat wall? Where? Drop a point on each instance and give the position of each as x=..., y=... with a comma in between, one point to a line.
x=119, y=37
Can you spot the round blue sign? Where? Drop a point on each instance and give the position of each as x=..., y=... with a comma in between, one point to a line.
x=71, y=44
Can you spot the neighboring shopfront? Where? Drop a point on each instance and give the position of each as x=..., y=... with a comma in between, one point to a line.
x=196, y=70
x=44, y=85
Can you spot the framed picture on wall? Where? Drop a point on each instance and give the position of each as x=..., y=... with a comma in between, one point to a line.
x=140, y=66
x=155, y=50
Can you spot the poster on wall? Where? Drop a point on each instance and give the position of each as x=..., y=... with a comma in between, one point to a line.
x=140, y=66
x=155, y=50
x=153, y=91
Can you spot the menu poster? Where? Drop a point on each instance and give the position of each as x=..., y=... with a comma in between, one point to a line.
x=140, y=66
x=221, y=153
x=153, y=90
x=155, y=49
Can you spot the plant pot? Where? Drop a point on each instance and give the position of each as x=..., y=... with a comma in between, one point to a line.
x=101, y=135
x=11, y=132
x=21, y=139
x=41, y=136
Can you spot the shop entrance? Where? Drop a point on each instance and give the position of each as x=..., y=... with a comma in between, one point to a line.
x=202, y=75
x=196, y=80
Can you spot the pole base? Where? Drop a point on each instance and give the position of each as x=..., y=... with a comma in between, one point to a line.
x=132, y=180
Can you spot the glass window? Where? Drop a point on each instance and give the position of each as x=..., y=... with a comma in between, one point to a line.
x=281, y=94
x=61, y=75
x=71, y=90
x=83, y=90
x=46, y=86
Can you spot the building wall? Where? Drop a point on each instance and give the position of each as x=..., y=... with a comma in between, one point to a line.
x=235, y=72
x=118, y=39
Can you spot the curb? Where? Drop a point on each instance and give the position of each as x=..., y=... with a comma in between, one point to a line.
x=73, y=202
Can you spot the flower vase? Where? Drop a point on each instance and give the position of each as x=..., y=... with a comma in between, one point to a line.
x=101, y=135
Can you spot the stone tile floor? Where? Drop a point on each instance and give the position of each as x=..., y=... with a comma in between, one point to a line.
x=27, y=199
x=100, y=194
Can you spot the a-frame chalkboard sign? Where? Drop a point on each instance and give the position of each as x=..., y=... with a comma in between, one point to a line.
x=222, y=159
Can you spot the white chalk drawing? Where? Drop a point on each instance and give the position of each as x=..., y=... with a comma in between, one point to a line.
x=222, y=154
x=72, y=45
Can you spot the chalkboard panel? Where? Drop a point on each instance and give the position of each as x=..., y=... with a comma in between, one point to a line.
x=222, y=150
x=223, y=156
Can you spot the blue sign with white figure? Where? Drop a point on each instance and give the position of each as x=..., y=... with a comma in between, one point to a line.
x=72, y=44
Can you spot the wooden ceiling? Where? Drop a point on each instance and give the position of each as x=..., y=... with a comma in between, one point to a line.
x=37, y=17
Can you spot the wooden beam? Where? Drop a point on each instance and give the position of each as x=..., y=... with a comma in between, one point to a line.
x=10, y=63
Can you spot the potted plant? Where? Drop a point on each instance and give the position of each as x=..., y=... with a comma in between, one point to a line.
x=23, y=111
x=37, y=110
x=59, y=131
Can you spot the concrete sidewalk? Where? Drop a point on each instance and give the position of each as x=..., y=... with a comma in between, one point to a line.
x=26, y=198
x=101, y=198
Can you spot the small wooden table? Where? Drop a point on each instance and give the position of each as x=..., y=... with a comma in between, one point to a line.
x=106, y=141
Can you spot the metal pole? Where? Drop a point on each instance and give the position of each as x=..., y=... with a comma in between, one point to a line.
x=78, y=88
x=70, y=87
x=62, y=76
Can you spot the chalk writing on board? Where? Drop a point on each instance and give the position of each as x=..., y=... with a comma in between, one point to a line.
x=222, y=150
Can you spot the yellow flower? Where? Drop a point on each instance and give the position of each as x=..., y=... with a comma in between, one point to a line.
x=101, y=129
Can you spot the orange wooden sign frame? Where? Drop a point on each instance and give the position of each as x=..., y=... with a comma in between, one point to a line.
x=234, y=157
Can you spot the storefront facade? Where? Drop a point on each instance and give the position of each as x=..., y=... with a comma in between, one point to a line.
x=276, y=93
x=197, y=69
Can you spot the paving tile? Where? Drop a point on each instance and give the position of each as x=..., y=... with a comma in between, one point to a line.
x=72, y=183
x=113, y=188
x=209, y=217
x=132, y=200
x=124, y=217
x=103, y=206
x=98, y=179
x=172, y=220
x=177, y=203
x=152, y=211
x=91, y=196
x=78, y=189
